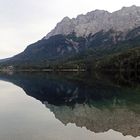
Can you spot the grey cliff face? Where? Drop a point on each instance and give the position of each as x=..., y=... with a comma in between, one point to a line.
x=123, y=20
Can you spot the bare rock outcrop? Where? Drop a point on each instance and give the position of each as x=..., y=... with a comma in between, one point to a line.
x=122, y=20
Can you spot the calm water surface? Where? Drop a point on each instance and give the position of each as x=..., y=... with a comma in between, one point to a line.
x=38, y=107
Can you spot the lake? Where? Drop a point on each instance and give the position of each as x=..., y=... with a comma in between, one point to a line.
x=38, y=106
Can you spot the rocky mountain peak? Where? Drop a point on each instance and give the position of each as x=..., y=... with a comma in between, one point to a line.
x=122, y=20
x=66, y=19
x=131, y=7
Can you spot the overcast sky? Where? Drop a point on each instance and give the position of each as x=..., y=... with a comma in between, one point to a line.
x=23, y=22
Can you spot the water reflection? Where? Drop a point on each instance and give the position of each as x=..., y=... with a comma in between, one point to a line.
x=98, y=103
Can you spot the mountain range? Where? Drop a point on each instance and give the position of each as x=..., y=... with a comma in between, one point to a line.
x=84, y=39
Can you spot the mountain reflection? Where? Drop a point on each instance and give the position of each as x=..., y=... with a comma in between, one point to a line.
x=98, y=103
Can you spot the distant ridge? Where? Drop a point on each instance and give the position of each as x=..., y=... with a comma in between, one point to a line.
x=122, y=20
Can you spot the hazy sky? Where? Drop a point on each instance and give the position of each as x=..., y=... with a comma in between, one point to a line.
x=23, y=22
